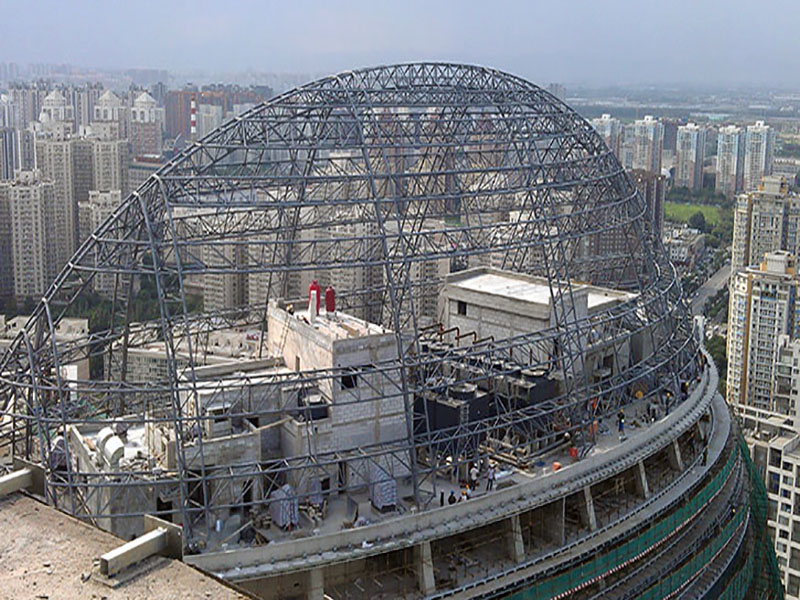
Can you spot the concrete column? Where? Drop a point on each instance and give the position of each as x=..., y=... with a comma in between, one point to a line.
x=424, y=567
x=553, y=522
x=641, y=481
x=516, y=546
x=588, y=515
x=674, y=452
x=316, y=585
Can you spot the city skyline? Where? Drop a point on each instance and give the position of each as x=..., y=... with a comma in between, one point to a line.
x=543, y=44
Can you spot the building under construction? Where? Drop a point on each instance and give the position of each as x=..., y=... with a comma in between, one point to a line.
x=446, y=357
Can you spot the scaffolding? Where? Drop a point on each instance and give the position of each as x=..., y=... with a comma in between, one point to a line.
x=381, y=183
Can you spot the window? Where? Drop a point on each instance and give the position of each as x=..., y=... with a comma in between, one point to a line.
x=462, y=307
x=350, y=380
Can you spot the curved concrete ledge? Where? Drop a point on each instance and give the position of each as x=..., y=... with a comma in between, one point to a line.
x=641, y=516
x=413, y=528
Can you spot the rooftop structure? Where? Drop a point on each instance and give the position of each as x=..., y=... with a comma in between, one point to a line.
x=312, y=438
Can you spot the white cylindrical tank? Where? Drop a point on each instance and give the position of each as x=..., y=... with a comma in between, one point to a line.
x=113, y=451
x=102, y=437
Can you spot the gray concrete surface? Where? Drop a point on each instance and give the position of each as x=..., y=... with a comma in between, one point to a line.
x=712, y=285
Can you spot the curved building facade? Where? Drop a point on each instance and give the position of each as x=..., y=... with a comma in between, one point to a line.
x=403, y=331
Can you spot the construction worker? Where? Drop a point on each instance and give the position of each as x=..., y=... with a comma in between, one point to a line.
x=621, y=424
x=474, y=473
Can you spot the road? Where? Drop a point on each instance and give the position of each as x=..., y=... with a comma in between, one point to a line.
x=712, y=285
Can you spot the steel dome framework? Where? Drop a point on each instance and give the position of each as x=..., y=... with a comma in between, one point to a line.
x=378, y=177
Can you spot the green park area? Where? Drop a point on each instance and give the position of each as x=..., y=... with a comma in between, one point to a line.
x=681, y=213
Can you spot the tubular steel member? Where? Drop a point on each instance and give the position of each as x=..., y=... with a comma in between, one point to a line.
x=390, y=185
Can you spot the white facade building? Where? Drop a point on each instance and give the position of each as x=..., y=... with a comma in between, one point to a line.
x=689, y=156
x=730, y=161
x=610, y=130
x=758, y=154
x=762, y=307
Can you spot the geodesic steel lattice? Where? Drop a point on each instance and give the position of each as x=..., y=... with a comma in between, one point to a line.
x=381, y=181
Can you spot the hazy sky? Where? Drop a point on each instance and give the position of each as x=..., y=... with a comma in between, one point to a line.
x=611, y=41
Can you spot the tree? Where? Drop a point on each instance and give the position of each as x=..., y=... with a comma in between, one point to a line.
x=716, y=348
x=698, y=221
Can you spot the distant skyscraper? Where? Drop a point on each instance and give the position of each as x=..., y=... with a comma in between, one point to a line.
x=209, y=117
x=92, y=213
x=26, y=150
x=689, y=156
x=730, y=161
x=108, y=116
x=27, y=100
x=83, y=102
x=652, y=188
x=147, y=122
x=626, y=145
x=82, y=168
x=6, y=111
x=54, y=160
x=111, y=159
x=648, y=136
x=609, y=129
x=558, y=90
x=8, y=153
x=177, y=112
x=6, y=244
x=57, y=116
x=30, y=205
x=758, y=154
x=141, y=167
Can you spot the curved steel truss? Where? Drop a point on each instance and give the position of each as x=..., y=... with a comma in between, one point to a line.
x=380, y=182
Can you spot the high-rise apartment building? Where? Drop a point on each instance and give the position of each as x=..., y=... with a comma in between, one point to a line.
x=146, y=126
x=54, y=160
x=689, y=155
x=109, y=117
x=642, y=145
x=6, y=111
x=765, y=220
x=762, y=307
x=223, y=290
x=30, y=205
x=140, y=168
x=730, y=161
x=83, y=101
x=6, y=257
x=26, y=150
x=92, y=212
x=209, y=117
x=110, y=165
x=609, y=129
x=27, y=101
x=57, y=116
x=652, y=189
x=8, y=152
x=759, y=149
x=82, y=168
